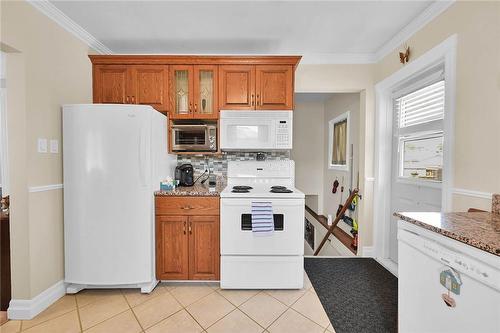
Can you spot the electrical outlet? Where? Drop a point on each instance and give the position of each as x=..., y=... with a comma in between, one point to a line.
x=42, y=145
x=54, y=146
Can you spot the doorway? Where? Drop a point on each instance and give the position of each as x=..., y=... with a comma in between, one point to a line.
x=326, y=154
x=5, y=284
x=410, y=140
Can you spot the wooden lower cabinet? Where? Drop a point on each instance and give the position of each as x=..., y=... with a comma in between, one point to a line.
x=204, y=254
x=172, y=261
x=187, y=244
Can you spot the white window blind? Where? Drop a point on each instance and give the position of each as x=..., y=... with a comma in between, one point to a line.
x=421, y=106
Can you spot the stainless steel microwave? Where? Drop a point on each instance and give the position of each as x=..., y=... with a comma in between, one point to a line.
x=194, y=137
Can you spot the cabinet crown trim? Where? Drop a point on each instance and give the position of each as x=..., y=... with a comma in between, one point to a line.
x=194, y=60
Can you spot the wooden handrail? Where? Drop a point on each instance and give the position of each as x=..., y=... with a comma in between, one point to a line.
x=336, y=221
x=338, y=233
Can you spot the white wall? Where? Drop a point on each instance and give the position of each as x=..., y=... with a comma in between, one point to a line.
x=308, y=144
x=477, y=106
x=334, y=107
x=49, y=68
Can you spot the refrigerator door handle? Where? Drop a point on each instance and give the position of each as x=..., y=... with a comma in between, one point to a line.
x=142, y=158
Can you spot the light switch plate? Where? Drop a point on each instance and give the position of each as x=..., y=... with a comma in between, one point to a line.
x=54, y=146
x=42, y=145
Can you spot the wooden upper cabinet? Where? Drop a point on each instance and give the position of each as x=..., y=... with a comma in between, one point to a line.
x=204, y=254
x=181, y=91
x=236, y=87
x=195, y=87
x=172, y=260
x=274, y=87
x=194, y=92
x=205, y=101
x=111, y=84
x=132, y=84
x=149, y=86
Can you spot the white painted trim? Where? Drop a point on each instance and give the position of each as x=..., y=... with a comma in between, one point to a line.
x=337, y=58
x=69, y=25
x=471, y=193
x=33, y=189
x=411, y=28
x=367, y=251
x=28, y=308
x=445, y=53
x=4, y=137
x=388, y=264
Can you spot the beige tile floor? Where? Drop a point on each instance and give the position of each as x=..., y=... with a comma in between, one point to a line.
x=182, y=308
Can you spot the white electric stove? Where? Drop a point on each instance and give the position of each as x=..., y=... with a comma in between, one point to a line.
x=252, y=260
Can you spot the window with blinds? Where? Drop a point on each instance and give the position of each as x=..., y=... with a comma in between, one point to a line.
x=419, y=114
x=421, y=106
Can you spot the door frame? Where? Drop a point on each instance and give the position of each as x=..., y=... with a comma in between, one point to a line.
x=4, y=147
x=444, y=53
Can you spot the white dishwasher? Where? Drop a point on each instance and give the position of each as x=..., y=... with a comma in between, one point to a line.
x=445, y=285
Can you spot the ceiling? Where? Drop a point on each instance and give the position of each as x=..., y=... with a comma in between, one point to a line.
x=315, y=29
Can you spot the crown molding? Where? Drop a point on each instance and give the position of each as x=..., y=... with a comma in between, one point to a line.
x=69, y=25
x=338, y=58
x=415, y=25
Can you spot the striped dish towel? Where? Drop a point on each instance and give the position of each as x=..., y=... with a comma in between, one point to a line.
x=262, y=217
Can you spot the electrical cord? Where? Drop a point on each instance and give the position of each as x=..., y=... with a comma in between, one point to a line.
x=204, y=172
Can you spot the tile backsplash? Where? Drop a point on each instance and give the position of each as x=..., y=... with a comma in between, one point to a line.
x=219, y=163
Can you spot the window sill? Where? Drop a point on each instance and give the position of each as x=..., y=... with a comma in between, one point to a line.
x=338, y=167
x=420, y=182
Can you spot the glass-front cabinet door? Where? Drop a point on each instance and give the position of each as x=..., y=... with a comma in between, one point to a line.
x=181, y=80
x=205, y=92
x=194, y=92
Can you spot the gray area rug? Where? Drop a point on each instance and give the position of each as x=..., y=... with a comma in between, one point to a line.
x=358, y=294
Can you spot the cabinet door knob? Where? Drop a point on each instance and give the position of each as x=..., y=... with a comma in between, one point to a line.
x=190, y=228
x=126, y=99
x=253, y=100
x=184, y=227
x=190, y=107
x=133, y=99
x=258, y=99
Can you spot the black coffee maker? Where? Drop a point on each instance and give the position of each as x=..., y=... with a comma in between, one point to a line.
x=185, y=175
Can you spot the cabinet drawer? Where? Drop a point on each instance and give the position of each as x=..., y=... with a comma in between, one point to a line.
x=187, y=206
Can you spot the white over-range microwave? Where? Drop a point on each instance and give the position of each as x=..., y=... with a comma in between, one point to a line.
x=255, y=130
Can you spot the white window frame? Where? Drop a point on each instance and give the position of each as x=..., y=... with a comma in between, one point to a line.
x=443, y=53
x=426, y=130
x=331, y=129
x=410, y=180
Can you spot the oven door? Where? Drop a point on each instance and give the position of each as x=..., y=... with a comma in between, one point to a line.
x=190, y=138
x=248, y=133
x=237, y=237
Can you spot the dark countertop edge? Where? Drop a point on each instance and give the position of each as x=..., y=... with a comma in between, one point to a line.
x=168, y=194
x=459, y=238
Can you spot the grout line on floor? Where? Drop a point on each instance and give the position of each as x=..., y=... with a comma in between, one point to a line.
x=43, y=322
x=132, y=310
x=78, y=313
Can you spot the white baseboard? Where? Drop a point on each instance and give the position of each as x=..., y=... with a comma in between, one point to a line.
x=388, y=264
x=28, y=308
x=367, y=251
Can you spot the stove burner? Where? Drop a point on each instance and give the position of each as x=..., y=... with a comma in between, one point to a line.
x=240, y=191
x=242, y=187
x=281, y=190
x=278, y=187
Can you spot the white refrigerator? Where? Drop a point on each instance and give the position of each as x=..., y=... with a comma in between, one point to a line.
x=114, y=157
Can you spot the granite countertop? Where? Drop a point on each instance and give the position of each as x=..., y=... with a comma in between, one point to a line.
x=480, y=230
x=197, y=190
